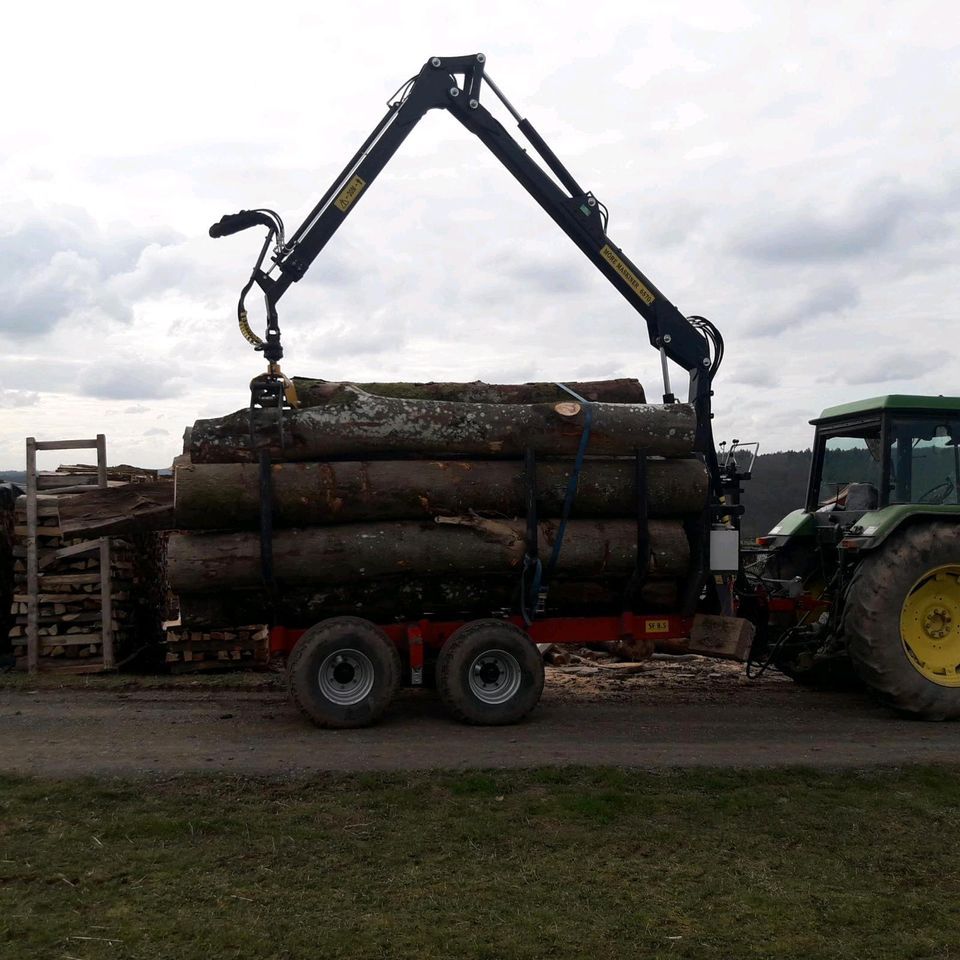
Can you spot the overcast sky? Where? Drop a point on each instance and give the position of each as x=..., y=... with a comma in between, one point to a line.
x=789, y=170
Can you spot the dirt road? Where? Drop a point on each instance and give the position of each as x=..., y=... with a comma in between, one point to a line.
x=680, y=715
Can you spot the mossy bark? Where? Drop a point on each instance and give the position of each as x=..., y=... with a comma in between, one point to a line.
x=227, y=496
x=361, y=425
x=463, y=547
x=625, y=390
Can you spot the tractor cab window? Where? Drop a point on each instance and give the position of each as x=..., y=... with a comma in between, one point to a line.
x=850, y=470
x=924, y=460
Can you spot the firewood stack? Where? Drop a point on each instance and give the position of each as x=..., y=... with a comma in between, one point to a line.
x=8, y=496
x=71, y=569
x=189, y=651
x=394, y=501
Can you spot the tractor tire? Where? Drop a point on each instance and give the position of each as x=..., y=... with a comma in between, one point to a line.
x=902, y=621
x=343, y=673
x=489, y=673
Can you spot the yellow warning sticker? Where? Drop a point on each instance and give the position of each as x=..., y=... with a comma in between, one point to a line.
x=349, y=193
x=658, y=626
x=610, y=255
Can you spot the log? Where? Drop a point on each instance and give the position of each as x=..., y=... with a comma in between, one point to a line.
x=397, y=598
x=314, y=393
x=205, y=562
x=227, y=495
x=116, y=510
x=360, y=425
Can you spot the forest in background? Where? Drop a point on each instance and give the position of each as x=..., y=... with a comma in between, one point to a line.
x=777, y=486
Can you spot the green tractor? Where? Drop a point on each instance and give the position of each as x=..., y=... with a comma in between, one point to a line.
x=863, y=583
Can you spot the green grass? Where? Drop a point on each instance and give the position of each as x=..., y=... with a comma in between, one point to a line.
x=550, y=863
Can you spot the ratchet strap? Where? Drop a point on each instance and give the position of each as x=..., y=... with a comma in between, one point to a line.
x=532, y=601
x=639, y=576
x=540, y=583
x=266, y=533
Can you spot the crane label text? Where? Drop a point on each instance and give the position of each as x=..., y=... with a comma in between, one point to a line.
x=349, y=193
x=638, y=287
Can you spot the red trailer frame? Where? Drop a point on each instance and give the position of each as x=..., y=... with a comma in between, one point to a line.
x=411, y=638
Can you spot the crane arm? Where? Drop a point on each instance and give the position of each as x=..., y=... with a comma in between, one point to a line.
x=454, y=84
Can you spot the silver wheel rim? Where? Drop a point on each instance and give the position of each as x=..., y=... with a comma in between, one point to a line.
x=346, y=677
x=494, y=676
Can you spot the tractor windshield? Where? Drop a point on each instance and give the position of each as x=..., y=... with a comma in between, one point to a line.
x=850, y=469
x=924, y=460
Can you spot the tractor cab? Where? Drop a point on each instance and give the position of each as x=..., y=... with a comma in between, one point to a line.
x=875, y=464
x=889, y=452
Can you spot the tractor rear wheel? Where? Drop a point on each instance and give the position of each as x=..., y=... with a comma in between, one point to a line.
x=902, y=621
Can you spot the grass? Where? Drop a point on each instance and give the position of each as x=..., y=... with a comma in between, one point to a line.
x=546, y=863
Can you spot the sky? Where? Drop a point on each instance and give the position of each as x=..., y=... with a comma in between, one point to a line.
x=789, y=170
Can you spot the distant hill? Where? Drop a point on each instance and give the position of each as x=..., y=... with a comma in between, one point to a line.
x=777, y=486
x=13, y=476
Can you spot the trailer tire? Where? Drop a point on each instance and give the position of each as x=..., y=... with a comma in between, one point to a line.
x=489, y=673
x=902, y=621
x=343, y=673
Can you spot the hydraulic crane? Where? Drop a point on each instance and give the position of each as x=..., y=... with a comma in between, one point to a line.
x=454, y=84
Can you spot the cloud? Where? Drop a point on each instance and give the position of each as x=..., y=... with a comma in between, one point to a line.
x=752, y=375
x=798, y=308
x=59, y=265
x=18, y=398
x=130, y=379
x=156, y=432
x=889, y=367
x=828, y=231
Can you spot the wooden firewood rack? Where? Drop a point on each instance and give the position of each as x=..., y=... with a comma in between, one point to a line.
x=34, y=597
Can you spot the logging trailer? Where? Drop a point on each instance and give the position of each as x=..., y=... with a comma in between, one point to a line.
x=868, y=575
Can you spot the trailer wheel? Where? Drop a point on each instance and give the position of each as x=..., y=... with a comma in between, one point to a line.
x=489, y=672
x=902, y=621
x=343, y=672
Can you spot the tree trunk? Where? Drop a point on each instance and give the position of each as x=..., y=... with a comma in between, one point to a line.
x=361, y=425
x=227, y=496
x=313, y=393
x=389, y=598
x=312, y=556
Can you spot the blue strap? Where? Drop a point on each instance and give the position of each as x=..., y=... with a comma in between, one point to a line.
x=535, y=595
x=531, y=592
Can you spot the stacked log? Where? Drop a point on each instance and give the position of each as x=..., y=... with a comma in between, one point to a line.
x=191, y=651
x=8, y=496
x=71, y=572
x=397, y=501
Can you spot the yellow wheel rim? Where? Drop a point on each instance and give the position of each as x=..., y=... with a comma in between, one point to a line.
x=930, y=625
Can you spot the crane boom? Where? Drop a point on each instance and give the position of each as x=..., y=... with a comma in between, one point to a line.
x=454, y=84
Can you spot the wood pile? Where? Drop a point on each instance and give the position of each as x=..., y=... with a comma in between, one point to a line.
x=98, y=598
x=190, y=651
x=394, y=501
x=8, y=496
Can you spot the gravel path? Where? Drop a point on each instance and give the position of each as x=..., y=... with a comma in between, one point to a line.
x=677, y=714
